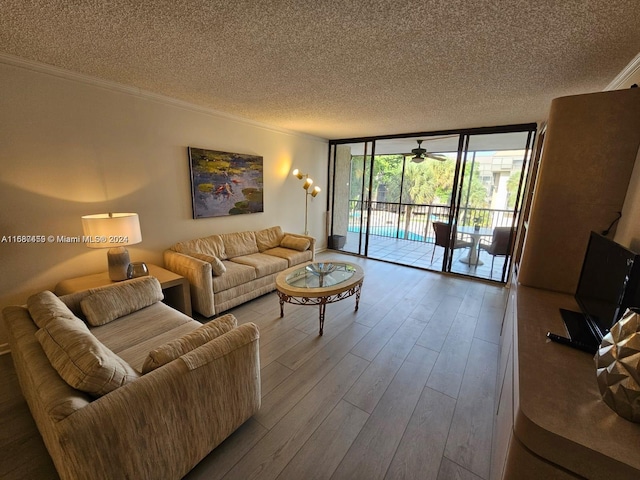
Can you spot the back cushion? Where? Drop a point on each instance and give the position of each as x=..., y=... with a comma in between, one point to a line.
x=269, y=238
x=107, y=304
x=45, y=306
x=211, y=245
x=241, y=243
x=81, y=360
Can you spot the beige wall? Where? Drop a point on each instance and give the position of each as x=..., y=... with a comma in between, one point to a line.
x=628, y=231
x=70, y=147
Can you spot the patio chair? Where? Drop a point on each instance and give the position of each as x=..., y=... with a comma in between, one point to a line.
x=443, y=237
x=500, y=244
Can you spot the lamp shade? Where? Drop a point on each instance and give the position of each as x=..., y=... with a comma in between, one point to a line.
x=106, y=230
x=307, y=183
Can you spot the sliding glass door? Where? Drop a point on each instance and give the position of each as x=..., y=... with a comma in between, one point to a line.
x=491, y=175
x=392, y=197
x=350, y=169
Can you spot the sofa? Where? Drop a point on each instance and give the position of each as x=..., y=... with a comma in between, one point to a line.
x=228, y=269
x=121, y=385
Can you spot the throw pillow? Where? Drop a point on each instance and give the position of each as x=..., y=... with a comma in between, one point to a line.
x=217, y=267
x=81, y=360
x=106, y=304
x=295, y=243
x=269, y=238
x=192, y=340
x=45, y=306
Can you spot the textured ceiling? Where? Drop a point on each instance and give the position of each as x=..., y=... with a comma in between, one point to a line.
x=339, y=69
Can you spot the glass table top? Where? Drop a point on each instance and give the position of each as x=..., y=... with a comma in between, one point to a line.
x=318, y=275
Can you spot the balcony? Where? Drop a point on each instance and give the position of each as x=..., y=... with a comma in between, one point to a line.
x=403, y=233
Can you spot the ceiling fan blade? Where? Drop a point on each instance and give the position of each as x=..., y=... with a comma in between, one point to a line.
x=437, y=156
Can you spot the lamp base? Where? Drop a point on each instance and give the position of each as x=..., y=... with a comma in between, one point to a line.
x=118, y=260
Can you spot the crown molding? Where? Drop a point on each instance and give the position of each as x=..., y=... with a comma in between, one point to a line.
x=44, y=68
x=623, y=77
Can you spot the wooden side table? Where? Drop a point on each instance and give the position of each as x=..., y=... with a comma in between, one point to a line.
x=175, y=287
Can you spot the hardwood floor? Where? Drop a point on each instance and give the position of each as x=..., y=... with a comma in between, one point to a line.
x=403, y=388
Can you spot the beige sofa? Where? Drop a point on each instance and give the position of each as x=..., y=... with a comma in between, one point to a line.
x=232, y=268
x=99, y=415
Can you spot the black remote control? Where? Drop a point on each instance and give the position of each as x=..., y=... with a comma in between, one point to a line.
x=572, y=343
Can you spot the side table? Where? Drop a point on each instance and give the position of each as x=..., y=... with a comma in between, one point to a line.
x=175, y=287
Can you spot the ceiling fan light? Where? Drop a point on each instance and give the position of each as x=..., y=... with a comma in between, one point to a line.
x=417, y=159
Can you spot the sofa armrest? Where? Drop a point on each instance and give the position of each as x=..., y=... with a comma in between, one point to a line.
x=312, y=242
x=164, y=423
x=198, y=272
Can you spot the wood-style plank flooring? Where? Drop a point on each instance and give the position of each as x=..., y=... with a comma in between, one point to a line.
x=401, y=389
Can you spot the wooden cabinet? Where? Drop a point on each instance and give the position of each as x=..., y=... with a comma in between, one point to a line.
x=590, y=147
x=503, y=425
x=550, y=419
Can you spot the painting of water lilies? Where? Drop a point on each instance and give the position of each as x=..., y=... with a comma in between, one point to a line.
x=224, y=183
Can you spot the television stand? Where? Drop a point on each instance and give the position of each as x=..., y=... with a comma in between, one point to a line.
x=581, y=334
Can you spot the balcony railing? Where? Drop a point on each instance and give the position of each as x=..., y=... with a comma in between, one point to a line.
x=414, y=221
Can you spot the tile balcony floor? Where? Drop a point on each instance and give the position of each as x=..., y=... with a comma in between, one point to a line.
x=418, y=254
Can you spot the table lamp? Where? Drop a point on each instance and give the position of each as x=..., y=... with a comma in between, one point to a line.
x=113, y=231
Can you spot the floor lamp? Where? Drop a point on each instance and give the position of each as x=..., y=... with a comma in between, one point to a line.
x=314, y=191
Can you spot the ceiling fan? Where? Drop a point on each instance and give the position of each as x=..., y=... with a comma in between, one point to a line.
x=420, y=154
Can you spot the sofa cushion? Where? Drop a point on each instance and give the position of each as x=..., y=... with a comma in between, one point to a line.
x=45, y=306
x=81, y=360
x=241, y=243
x=294, y=257
x=217, y=267
x=264, y=264
x=149, y=327
x=295, y=243
x=211, y=245
x=269, y=238
x=178, y=347
x=235, y=275
x=105, y=305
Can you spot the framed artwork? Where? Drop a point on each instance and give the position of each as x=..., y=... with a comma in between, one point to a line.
x=224, y=183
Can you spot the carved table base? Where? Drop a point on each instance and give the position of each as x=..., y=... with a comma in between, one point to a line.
x=320, y=301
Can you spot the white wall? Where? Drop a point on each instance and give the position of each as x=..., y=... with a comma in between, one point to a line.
x=71, y=146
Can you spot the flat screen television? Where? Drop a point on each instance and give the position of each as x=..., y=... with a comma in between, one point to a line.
x=608, y=285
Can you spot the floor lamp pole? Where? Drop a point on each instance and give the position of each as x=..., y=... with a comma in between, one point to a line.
x=315, y=191
x=306, y=211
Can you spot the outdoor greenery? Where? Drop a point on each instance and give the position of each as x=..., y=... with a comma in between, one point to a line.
x=429, y=182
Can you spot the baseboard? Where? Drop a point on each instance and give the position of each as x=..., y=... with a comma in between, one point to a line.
x=4, y=349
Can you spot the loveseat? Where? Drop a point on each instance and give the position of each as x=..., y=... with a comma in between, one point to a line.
x=123, y=386
x=232, y=268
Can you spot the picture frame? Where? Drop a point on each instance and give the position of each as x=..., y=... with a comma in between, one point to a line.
x=225, y=183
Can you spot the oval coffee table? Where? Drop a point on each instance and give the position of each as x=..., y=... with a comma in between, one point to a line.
x=319, y=283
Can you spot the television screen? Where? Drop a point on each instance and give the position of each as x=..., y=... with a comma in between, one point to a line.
x=608, y=283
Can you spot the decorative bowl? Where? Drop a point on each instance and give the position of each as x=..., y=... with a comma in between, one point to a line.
x=321, y=268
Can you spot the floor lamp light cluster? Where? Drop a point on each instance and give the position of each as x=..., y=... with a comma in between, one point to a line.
x=308, y=191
